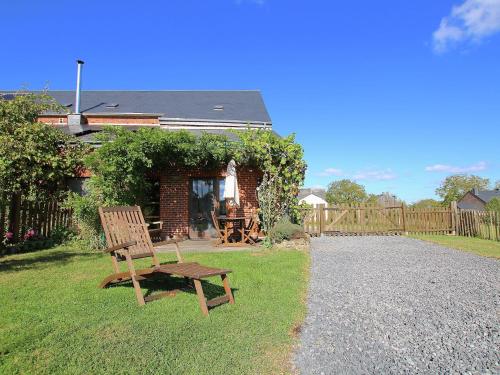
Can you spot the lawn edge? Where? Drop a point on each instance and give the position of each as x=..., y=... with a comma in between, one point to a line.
x=454, y=248
x=287, y=366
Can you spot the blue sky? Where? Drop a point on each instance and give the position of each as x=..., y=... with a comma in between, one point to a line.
x=395, y=94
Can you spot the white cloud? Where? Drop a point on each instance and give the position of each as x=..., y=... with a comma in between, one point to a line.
x=375, y=175
x=331, y=172
x=469, y=22
x=481, y=166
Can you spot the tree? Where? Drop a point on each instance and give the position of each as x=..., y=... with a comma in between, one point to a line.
x=454, y=187
x=497, y=185
x=372, y=200
x=426, y=203
x=35, y=158
x=493, y=205
x=345, y=192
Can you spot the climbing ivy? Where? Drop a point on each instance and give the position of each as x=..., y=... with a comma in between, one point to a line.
x=281, y=161
x=120, y=165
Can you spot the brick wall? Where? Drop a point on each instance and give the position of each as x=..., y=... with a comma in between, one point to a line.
x=100, y=120
x=174, y=195
x=53, y=120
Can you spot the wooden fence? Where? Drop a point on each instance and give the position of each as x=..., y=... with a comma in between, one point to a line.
x=482, y=224
x=365, y=220
x=21, y=215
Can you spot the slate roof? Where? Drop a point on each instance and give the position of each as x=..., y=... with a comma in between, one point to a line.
x=308, y=191
x=230, y=106
x=486, y=195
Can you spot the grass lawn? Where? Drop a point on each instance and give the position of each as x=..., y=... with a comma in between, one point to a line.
x=54, y=319
x=474, y=245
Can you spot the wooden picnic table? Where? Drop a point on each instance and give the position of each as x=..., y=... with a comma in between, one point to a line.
x=240, y=221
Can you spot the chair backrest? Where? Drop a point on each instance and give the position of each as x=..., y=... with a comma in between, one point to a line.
x=126, y=223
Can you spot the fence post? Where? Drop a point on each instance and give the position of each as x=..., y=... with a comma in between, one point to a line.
x=321, y=208
x=403, y=216
x=454, y=210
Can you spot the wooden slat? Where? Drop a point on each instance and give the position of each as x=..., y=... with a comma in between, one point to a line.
x=359, y=219
x=217, y=301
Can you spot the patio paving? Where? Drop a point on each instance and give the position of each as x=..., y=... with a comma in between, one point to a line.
x=203, y=246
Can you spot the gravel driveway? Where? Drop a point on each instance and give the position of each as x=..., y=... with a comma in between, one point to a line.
x=399, y=305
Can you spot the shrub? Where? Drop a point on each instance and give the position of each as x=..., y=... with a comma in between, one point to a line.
x=493, y=205
x=286, y=230
x=62, y=234
x=86, y=218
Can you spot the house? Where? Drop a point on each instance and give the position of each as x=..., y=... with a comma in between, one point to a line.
x=183, y=197
x=477, y=199
x=387, y=199
x=312, y=196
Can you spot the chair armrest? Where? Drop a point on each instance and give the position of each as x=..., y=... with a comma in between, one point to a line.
x=177, y=249
x=121, y=246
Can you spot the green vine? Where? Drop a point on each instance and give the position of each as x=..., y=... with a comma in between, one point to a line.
x=120, y=165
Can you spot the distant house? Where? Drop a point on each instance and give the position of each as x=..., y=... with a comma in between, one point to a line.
x=477, y=199
x=388, y=200
x=312, y=196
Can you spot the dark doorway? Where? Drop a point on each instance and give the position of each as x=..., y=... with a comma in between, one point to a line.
x=205, y=195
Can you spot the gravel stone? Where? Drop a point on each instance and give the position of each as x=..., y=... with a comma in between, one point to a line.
x=395, y=305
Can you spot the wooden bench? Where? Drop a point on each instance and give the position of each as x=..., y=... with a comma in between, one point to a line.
x=128, y=239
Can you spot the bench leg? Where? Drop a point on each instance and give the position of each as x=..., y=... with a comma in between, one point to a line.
x=227, y=288
x=135, y=281
x=138, y=291
x=201, y=297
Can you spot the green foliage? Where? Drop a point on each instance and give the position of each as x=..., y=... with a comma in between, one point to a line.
x=62, y=235
x=454, y=187
x=426, y=203
x=345, y=192
x=300, y=211
x=372, y=200
x=120, y=165
x=86, y=217
x=493, y=205
x=35, y=158
x=282, y=162
x=285, y=230
x=24, y=108
x=271, y=207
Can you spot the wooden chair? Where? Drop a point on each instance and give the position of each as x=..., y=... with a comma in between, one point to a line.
x=128, y=239
x=222, y=234
x=251, y=230
x=155, y=233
